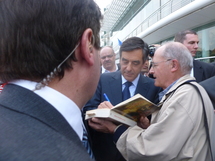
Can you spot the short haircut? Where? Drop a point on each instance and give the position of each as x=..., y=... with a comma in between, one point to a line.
x=176, y=50
x=181, y=36
x=134, y=43
x=37, y=35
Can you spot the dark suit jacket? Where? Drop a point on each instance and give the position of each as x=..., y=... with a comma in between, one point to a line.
x=202, y=70
x=33, y=130
x=209, y=86
x=111, y=84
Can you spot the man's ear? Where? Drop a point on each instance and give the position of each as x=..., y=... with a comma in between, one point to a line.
x=174, y=65
x=87, y=40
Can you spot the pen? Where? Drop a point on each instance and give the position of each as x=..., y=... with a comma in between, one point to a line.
x=106, y=97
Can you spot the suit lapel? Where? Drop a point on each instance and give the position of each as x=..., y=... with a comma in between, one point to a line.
x=142, y=86
x=115, y=84
x=27, y=102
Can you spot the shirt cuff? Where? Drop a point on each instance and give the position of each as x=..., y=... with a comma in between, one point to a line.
x=118, y=132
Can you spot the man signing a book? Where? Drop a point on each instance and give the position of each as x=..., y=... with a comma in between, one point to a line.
x=178, y=130
x=119, y=86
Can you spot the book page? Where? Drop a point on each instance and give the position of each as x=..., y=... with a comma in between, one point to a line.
x=134, y=107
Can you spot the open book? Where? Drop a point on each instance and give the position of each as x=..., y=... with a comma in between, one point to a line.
x=126, y=112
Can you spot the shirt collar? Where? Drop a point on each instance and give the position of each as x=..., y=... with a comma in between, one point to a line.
x=134, y=82
x=162, y=93
x=106, y=71
x=60, y=102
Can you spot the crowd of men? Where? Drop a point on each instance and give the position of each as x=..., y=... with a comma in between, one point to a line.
x=53, y=70
x=174, y=70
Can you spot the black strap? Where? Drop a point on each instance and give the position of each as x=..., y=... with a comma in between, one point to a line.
x=205, y=116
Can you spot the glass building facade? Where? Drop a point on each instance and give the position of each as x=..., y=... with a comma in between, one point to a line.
x=157, y=21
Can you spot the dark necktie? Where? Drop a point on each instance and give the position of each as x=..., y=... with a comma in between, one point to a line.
x=126, y=92
x=86, y=143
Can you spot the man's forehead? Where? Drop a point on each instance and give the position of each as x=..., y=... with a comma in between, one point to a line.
x=159, y=51
x=133, y=52
x=191, y=37
x=105, y=51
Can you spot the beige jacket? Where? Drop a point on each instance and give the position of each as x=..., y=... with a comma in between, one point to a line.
x=176, y=132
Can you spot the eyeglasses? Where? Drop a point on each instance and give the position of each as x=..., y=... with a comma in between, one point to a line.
x=154, y=64
x=108, y=56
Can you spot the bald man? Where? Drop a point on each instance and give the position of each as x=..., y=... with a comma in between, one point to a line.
x=108, y=57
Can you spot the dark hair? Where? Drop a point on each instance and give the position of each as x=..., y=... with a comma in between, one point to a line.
x=37, y=35
x=181, y=36
x=134, y=43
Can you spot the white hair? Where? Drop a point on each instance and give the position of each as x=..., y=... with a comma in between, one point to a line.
x=176, y=50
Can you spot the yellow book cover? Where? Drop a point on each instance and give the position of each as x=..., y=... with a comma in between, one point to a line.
x=126, y=112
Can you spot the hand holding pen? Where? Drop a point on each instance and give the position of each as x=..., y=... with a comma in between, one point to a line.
x=106, y=97
x=105, y=104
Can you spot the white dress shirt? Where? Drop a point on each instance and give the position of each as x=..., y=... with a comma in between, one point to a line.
x=106, y=71
x=192, y=72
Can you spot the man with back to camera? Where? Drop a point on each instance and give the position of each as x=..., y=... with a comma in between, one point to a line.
x=177, y=131
x=201, y=70
x=108, y=57
x=49, y=58
x=133, y=53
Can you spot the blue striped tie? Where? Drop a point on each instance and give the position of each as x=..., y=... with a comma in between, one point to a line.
x=86, y=143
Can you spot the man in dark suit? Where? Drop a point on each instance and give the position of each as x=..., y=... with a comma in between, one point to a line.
x=133, y=53
x=201, y=70
x=209, y=86
x=49, y=58
x=212, y=63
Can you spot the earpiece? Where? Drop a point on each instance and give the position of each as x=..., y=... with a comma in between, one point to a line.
x=90, y=44
x=90, y=48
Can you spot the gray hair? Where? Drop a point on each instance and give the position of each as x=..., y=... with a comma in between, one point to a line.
x=176, y=50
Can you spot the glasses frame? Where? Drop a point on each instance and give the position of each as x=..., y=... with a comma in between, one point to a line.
x=107, y=56
x=155, y=64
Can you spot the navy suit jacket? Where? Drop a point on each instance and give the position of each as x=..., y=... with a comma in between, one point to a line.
x=111, y=84
x=32, y=129
x=202, y=70
x=209, y=86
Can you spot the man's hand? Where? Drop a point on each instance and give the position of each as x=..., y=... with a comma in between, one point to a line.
x=102, y=125
x=105, y=104
x=143, y=122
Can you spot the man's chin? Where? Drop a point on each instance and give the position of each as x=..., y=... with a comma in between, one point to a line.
x=193, y=54
x=129, y=77
x=156, y=83
x=107, y=67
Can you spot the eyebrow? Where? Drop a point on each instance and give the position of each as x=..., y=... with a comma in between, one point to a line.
x=136, y=61
x=193, y=41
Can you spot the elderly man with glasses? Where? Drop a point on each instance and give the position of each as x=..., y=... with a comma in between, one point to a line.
x=178, y=131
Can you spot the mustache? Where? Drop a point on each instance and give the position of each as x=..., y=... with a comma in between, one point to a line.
x=107, y=61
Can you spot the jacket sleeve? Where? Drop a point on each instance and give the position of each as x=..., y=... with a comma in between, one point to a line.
x=165, y=137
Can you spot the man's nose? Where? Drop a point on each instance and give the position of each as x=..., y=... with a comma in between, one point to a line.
x=129, y=67
x=151, y=71
x=196, y=46
x=106, y=58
